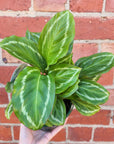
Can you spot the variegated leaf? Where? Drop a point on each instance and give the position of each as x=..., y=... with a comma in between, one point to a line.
x=70, y=48
x=70, y=90
x=24, y=49
x=56, y=37
x=9, y=85
x=95, y=65
x=92, y=92
x=9, y=110
x=34, y=36
x=85, y=108
x=58, y=114
x=65, y=76
x=33, y=97
x=66, y=60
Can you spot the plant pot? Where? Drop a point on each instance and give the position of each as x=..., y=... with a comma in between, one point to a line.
x=69, y=108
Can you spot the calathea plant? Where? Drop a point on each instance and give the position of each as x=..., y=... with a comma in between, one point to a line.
x=44, y=89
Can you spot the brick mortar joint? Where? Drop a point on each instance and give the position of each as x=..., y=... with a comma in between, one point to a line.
x=33, y=13
x=104, y=6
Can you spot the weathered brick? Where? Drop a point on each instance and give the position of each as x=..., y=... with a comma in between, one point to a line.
x=3, y=96
x=79, y=133
x=61, y=136
x=107, y=78
x=7, y=58
x=16, y=132
x=5, y=73
x=86, y=28
x=110, y=102
x=110, y=5
x=15, y=5
x=84, y=49
x=107, y=47
x=94, y=28
x=102, y=117
x=104, y=134
x=86, y=5
x=3, y=119
x=18, y=25
x=49, y=5
x=5, y=133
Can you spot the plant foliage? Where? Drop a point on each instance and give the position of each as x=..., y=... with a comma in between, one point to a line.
x=41, y=87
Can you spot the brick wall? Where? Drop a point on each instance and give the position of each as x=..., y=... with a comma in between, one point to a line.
x=94, y=33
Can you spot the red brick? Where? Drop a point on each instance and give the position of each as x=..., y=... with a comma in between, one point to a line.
x=110, y=102
x=18, y=25
x=15, y=5
x=107, y=47
x=16, y=132
x=107, y=78
x=7, y=58
x=86, y=5
x=79, y=133
x=49, y=5
x=3, y=119
x=110, y=5
x=94, y=28
x=5, y=73
x=5, y=133
x=84, y=49
x=104, y=134
x=102, y=117
x=61, y=136
x=3, y=96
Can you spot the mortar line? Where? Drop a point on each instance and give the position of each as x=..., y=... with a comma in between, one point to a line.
x=109, y=87
x=104, y=5
x=111, y=119
x=10, y=64
x=66, y=133
x=94, y=41
x=92, y=134
x=33, y=13
x=67, y=6
x=106, y=107
x=12, y=132
x=2, y=85
x=90, y=125
x=31, y=9
x=3, y=105
x=9, y=124
x=99, y=47
x=1, y=141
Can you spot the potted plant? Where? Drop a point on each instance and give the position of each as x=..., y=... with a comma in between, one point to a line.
x=45, y=89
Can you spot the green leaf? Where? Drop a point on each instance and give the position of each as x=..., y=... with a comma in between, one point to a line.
x=70, y=48
x=96, y=78
x=85, y=108
x=65, y=76
x=9, y=85
x=66, y=59
x=92, y=92
x=23, y=49
x=33, y=97
x=70, y=90
x=9, y=110
x=58, y=114
x=95, y=65
x=56, y=37
x=34, y=36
